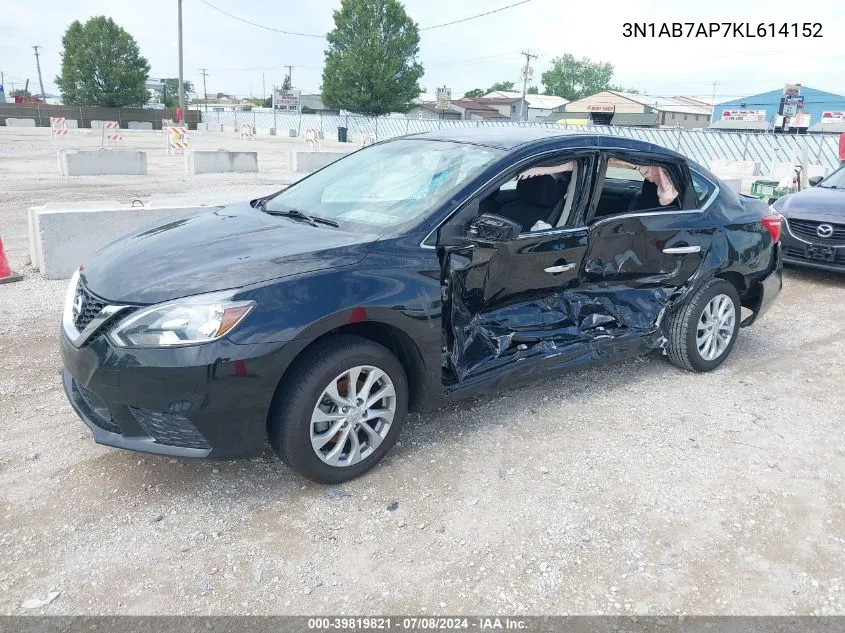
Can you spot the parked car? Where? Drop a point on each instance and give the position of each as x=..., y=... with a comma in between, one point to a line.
x=814, y=220
x=405, y=276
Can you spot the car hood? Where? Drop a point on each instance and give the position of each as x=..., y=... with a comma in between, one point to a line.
x=219, y=249
x=815, y=203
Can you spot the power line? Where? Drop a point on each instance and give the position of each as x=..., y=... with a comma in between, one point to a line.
x=298, y=34
x=260, y=26
x=473, y=17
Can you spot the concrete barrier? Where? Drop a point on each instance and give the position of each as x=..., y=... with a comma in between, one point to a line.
x=71, y=124
x=306, y=162
x=739, y=168
x=140, y=125
x=14, y=122
x=102, y=162
x=63, y=236
x=734, y=183
x=220, y=161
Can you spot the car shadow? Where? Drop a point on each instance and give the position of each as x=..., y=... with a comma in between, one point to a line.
x=266, y=478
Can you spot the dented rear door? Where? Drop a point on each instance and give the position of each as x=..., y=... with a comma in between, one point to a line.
x=637, y=263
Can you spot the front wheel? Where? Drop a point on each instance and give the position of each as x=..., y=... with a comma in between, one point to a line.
x=703, y=332
x=340, y=409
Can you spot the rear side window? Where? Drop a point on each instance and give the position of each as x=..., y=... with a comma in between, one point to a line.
x=704, y=189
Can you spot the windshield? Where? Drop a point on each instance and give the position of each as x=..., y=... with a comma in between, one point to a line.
x=835, y=181
x=389, y=186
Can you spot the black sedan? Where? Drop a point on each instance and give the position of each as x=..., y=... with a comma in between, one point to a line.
x=406, y=276
x=814, y=222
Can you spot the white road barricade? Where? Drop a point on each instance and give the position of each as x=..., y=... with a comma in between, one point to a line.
x=312, y=138
x=58, y=127
x=219, y=161
x=121, y=162
x=247, y=132
x=63, y=235
x=307, y=161
x=113, y=136
x=177, y=139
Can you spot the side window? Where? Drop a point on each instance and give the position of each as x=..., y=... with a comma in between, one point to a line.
x=539, y=197
x=703, y=188
x=631, y=187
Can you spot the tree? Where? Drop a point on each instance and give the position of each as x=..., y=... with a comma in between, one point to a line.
x=371, y=64
x=20, y=92
x=170, y=96
x=286, y=85
x=533, y=90
x=575, y=79
x=501, y=86
x=474, y=93
x=102, y=65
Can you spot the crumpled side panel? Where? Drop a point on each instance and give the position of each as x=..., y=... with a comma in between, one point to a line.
x=559, y=324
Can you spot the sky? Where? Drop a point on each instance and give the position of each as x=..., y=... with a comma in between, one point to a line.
x=245, y=60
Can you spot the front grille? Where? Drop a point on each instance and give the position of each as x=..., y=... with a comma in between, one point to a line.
x=800, y=253
x=97, y=410
x=169, y=429
x=85, y=307
x=807, y=230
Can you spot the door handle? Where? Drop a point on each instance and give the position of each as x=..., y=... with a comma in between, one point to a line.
x=682, y=250
x=559, y=269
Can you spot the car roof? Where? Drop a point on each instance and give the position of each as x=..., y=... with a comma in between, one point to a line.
x=510, y=138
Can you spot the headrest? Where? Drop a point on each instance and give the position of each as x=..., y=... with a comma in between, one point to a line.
x=542, y=191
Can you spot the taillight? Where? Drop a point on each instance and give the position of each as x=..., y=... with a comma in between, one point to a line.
x=773, y=224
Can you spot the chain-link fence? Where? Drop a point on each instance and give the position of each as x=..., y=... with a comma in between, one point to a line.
x=702, y=145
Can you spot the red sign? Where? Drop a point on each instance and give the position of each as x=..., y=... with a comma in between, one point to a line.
x=601, y=108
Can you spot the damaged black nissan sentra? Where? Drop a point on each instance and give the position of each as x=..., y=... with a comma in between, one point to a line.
x=405, y=276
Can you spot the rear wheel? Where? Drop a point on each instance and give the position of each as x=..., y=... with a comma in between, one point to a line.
x=340, y=409
x=702, y=333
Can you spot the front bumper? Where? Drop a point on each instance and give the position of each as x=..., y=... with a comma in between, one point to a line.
x=795, y=253
x=202, y=401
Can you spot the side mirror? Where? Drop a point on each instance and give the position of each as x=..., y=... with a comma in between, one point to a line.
x=815, y=180
x=493, y=228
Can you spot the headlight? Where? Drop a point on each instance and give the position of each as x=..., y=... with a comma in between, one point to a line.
x=199, y=319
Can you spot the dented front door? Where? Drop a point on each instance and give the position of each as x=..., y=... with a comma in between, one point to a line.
x=507, y=302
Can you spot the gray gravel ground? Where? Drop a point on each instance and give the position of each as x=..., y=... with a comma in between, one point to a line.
x=629, y=488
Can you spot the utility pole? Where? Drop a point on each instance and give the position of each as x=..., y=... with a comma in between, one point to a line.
x=181, y=85
x=38, y=65
x=204, y=72
x=713, y=104
x=525, y=71
x=290, y=75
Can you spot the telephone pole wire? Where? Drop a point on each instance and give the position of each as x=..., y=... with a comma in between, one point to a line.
x=525, y=71
x=204, y=72
x=38, y=65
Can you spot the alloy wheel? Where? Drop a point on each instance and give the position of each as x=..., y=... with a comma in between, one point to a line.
x=715, y=327
x=353, y=415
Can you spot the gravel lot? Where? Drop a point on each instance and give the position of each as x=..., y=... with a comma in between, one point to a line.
x=631, y=488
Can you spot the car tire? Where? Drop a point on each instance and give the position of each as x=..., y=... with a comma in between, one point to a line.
x=689, y=328
x=303, y=410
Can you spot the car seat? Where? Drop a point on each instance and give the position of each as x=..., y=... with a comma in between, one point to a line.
x=536, y=199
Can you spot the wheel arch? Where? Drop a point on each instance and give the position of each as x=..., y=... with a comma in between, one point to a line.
x=396, y=340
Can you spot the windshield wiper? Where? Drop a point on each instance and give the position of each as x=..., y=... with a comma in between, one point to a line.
x=296, y=214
